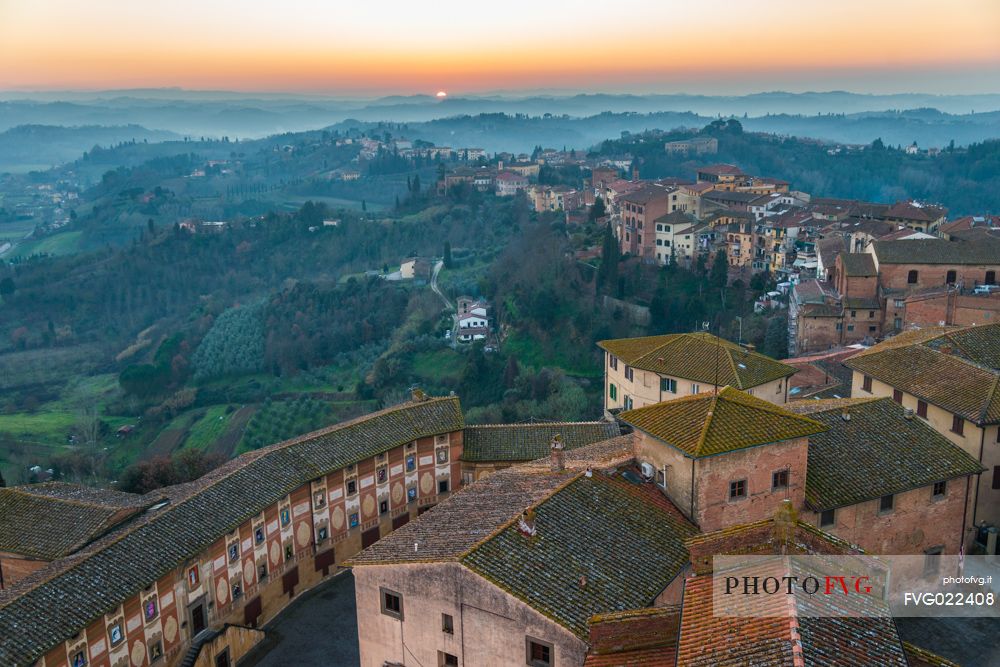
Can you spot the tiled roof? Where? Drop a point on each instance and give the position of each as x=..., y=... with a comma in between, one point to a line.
x=721, y=169
x=647, y=193
x=910, y=211
x=925, y=657
x=964, y=380
x=58, y=600
x=858, y=264
x=701, y=357
x=526, y=442
x=707, y=424
x=783, y=635
x=634, y=638
x=571, y=568
x=48, y=521
x=937, y=251
x=906, y=453
x=477, y=511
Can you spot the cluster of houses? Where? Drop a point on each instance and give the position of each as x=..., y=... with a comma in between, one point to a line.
x=580, y=544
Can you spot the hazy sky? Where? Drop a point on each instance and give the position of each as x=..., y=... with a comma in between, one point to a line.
x=463, y=46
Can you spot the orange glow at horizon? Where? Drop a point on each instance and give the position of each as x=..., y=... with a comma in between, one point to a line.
x=312, y=46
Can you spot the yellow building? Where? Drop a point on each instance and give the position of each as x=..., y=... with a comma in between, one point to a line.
x=643, y=371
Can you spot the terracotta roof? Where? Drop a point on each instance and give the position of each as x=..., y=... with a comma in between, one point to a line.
x=721, y=169
x=526, y=442
x=708, y=424
x=647, y=193
x=922, y=656
x=48, y=521
x=34, y=615
x=567, y=571
x=906, y=210
x=937, y=251
x=786, y=635
x=955, y=369
x=701, y=357
x=858, y=264
x=634, y=638
x=888, y=453
x=477, y=511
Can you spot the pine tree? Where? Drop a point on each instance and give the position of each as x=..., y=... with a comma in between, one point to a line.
x=448, y=263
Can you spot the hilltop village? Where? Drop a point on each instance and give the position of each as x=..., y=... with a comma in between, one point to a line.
x=504, y=543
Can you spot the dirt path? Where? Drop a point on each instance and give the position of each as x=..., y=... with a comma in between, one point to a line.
x=226, y=445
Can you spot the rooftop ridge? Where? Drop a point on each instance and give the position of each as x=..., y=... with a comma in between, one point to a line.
x=539, y=424
x=514, y=519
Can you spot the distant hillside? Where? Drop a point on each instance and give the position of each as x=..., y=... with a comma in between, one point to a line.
x=218, y=114
x=36, y=147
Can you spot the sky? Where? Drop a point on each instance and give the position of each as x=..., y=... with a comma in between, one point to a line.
x=352, y=47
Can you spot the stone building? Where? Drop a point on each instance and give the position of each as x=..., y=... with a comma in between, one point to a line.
x=510, y=571
x=651, y=369
x=949, y=377
x=232, y=547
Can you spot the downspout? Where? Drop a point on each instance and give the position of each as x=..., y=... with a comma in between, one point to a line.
x=982, y=443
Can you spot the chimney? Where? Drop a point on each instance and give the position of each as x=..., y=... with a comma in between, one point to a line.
x=908, y=413
x=845, y=415
x=418, y=395
x=526, y=524
x=557, y=455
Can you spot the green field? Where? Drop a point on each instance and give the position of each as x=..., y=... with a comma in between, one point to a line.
x=205, y=431
x=444, y=364
x=63, y=243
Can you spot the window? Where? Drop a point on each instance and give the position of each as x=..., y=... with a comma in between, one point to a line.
x=383, y=506
x=950, y=277
x=222, y=659
x=897, y=396
x=627, y=402
x=289, y=552
x=629, y=374
x=871, y=329
x=392, y=603
x=447, y=659
x=940, y=488
x=382, y=474
x=996, y=477
x=286, y=516
x=668, y=385
x=991, y=278
x=871, y=314
x=319, y=499
x=411, y=494
x=854, y=313
x=352, y=487
x=258, y=534
x=850, y=327
x=885, y=504
x=661, y=478
x=539, y=653
x=866, y=383
x=442, y=455
x=322, y=533
x=898, y=303
x=957, y=425
x=79, y=659
x=155, y=651
x=827, y=518
x=779, y=480
x=234, y=552
x=738, y=489
x=411, y=463
x=613, y=392
x=237, y=591
x=911, y=278
x=922, y=409
x=840, y=326
x=354, y=520
x=193, y=577
x=447, y=624
x=150, y=608
x=443, y=486
x=115, y=633
x=262, y=571
x=694, y=388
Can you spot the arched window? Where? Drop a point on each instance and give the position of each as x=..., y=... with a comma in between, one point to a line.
x=950, y=277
